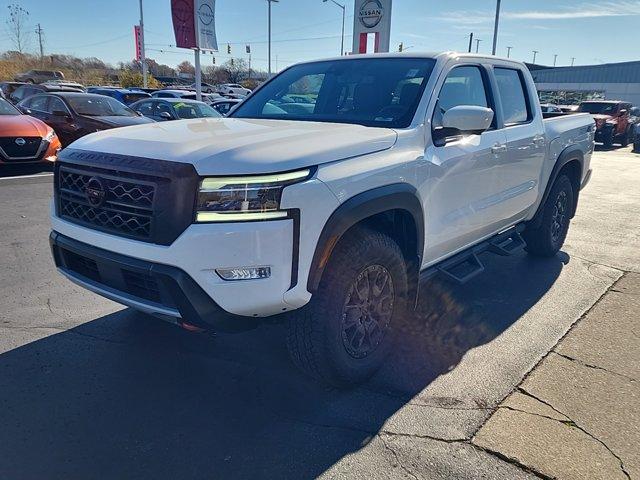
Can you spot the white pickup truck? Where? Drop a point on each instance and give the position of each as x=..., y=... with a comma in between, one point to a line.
x=388, y=169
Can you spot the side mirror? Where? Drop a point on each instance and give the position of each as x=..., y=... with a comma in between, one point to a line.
x=468, y=119
x=623, y=112
x=165, y=116
x=26, y=111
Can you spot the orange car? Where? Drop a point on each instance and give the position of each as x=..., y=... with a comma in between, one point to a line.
x=24, y=139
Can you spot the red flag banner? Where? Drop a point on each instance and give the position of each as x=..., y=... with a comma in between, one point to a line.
x=136, y=36
x=182, y=14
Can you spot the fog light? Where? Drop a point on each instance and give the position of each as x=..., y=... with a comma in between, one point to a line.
x=244, y=273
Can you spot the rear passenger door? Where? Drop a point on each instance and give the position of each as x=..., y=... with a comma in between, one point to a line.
x=519, y=175
x=460, y=178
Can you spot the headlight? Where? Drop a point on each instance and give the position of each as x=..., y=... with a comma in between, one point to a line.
x=236, y=199
x=50, y=136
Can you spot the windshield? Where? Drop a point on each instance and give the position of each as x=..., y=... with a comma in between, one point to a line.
x=194, y=110
x=99, y=106
x=379, y=92
x=7, y=109
x=596, y=108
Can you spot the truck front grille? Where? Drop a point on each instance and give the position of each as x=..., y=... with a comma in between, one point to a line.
x=118, y=205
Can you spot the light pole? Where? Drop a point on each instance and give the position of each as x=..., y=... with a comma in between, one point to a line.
x=495, y=28
x=509, y=52
x=555, y=59
x=270, y=2
x=477, y=44
x=573, y=59
x=535, y=52
x=343, y=7
x=143, y=59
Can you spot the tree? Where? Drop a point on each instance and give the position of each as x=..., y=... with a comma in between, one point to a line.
x=17, y=28
x=186, y=67
x=237, y=69
x=132, y=78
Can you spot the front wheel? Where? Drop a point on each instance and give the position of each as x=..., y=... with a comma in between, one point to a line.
x=607, y=138
x=343, y=335
x=547, y=239
x=636, y=145
x=625, y=138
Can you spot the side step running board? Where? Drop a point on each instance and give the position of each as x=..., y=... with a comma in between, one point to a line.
x=465, y=265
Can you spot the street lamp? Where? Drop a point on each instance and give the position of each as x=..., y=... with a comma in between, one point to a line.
x=535, y=53
x=509, y=52
x=270, y=2
x=343, y=14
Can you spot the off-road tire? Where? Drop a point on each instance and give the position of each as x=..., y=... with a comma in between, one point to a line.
x=624, y=141
x=636, y=145
x=316, y=337
x=547, y=239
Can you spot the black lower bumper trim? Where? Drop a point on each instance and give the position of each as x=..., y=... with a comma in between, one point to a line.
x=147, y=282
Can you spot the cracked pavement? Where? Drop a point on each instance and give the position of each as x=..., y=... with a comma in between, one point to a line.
x=531, y=370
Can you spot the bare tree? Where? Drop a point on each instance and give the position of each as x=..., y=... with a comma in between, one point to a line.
x=17, y=28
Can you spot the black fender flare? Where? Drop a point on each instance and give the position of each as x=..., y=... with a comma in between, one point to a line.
x=569, y=154
x=397, y=196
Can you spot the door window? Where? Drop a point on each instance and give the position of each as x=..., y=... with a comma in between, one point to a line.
x=57, y=105
x=145, y=108
x=39, y=103
x=513, y=96
x=463, y=86
x=164, y=108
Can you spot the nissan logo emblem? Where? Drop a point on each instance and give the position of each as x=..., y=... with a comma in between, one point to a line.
x=370, y=13
x=95, y=192
x=205, y=14
x=20, y=142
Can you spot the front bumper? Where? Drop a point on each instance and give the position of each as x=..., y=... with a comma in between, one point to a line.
x=200, y=250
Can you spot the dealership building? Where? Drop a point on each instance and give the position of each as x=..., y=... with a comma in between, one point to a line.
x=570, y=85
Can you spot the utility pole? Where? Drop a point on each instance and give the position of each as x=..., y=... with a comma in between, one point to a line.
x=343, y=7
x=555, y=59
x=270, y=2
x=495, y=28
x=470, y=41
x=39, y=33
x=477, y=44
x=143, y=59
x=535, y=52
x=509, y=52
x=573, y=59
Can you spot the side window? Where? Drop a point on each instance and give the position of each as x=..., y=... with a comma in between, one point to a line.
x=163, y=108
x=513, y=96
x=164, y=95
x=463, y=86
x=39, y=103
x=145, y=108
x=57, y=105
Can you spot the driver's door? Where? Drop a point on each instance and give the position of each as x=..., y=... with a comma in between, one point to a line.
x=460, y=175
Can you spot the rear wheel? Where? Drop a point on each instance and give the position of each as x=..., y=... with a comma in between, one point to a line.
x=343, y=335
x=625, y=138
x=636, y=144
x=607, y=138
x=547, y=239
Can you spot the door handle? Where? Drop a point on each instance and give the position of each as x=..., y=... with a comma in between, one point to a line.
x=498, y=148
x=539, y=140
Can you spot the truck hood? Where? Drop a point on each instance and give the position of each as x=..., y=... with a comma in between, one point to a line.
x=230, y=146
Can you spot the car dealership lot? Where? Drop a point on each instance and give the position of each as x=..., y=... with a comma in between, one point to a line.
x=91, y=390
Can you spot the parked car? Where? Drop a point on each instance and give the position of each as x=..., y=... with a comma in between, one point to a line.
x=160, y=109
x=39, y=76
x=174, y=93
x=409, y=167
x=224, y=105
x=206, y=88
x=7, y=88
x=123, y=95
x=549, y=108
x=24, y=139
x=73, y=115
x=61, y=83
x=232, y=89
x=612, y=120
x=27, y=90
x=145, y=90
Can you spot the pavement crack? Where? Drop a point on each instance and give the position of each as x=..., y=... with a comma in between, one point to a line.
x=582, y=429
x=513, y=409
x=595, y=367
x=395, y=455
x=513, y=461
x=425, y=437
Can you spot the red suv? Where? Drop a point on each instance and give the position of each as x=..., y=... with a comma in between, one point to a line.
x=612, y=121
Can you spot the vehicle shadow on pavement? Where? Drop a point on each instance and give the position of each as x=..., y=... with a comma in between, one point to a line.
x=127, y=396
x=19, y=170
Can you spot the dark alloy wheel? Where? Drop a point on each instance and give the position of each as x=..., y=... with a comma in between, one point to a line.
x=343, y=335
x=548, y=237
x=367, y=311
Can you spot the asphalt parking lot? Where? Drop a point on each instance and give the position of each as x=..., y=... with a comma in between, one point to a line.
x=91, y=390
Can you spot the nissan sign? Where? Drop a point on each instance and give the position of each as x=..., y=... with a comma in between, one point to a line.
x=370, y=13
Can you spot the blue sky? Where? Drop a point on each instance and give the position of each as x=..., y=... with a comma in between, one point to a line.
x=592, y=32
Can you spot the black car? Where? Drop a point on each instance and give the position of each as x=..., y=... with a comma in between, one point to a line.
x=73, y=115
x=27, y=90
x=161, y=109
x=224, y=105
x=7, y=88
